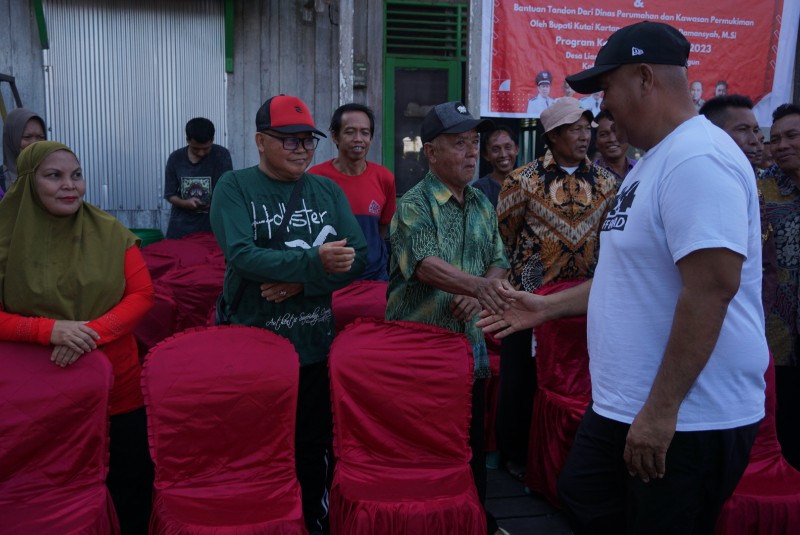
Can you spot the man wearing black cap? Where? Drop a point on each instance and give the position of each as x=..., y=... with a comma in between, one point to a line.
x=675, y=323
x=541, y=101
x=447, y=257
x=290, y=240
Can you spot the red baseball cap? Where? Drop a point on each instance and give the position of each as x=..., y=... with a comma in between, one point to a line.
x=285, y=114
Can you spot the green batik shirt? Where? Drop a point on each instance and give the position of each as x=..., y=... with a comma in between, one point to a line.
x=429, y=221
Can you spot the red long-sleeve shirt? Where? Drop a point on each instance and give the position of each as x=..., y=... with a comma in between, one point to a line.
x=115, y=328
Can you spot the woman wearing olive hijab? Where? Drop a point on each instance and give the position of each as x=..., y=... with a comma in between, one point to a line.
x=72, y=277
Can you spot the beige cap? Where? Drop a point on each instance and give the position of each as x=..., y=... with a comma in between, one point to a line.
x=565, y=110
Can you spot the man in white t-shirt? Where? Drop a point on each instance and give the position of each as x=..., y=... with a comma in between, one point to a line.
x=675, y=325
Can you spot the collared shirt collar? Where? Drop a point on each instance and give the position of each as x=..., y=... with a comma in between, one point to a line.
x=441, y=193
x=549, y=161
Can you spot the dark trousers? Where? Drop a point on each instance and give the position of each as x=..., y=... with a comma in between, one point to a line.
x=515, y=401
x=702, y=470
x=130, y=471
x=787, y=415
x=313, y=444
x=477, y=442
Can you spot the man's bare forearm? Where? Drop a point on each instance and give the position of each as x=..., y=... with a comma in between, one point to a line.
x=570, y=302
x=435, y=272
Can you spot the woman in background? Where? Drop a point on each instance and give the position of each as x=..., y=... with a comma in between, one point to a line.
x=72, y=277
x=21, y=128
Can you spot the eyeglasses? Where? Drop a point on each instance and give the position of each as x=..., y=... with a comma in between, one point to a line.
x=291, y=143
x=34, y=137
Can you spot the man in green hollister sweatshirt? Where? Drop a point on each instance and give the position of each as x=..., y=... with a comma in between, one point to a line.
x=289, y=279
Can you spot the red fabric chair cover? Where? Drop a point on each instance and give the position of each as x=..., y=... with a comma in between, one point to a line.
x=191, y=250
x=401, y=410
x=563, y=394
x=159, y=322
x=767, y=499
x=194, y=289
x=221, y=406
x=206, y=239
x=187, y=278
x=54, y=446
x=492, y=392
x=159, y=261
x=360, y=299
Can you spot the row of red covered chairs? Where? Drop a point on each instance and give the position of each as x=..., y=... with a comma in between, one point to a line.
x=187, y=276
x=222, y=432
x=221, y=421
x=386, y=443
x=221, y=426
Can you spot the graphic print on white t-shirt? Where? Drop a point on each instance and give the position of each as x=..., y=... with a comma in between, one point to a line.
x=617, y=217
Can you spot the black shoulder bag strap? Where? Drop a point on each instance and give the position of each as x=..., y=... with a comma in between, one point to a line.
x=276, y=237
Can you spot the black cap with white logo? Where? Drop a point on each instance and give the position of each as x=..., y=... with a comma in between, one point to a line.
x=643, y=42
x=450, y=118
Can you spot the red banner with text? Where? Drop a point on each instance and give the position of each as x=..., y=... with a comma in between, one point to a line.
x=535, y=44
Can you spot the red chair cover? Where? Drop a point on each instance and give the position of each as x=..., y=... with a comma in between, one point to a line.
x=401, y=409
x=563, y=393
x=221, y=406
x=194, y=290
x=192, y=250
x=767, y=499
x=159, y=322
x=361, y=299
x=492, y=392
x=206, y=239
x=187, y=277
x=54, y=446
x=159, y=262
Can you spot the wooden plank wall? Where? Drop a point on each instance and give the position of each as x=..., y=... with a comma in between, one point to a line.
x=368, y=48
x=277, y=51
x=21, y=55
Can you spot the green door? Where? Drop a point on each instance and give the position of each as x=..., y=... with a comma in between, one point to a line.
x=412, y=87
